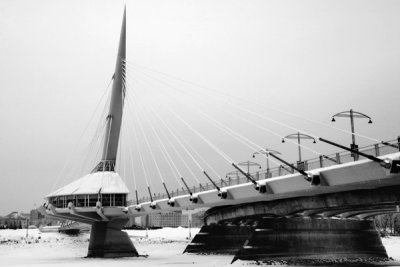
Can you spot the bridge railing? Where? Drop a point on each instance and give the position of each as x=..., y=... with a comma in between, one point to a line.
x=315, y=163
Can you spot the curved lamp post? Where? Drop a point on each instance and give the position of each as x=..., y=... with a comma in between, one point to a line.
x=298, y=137
x=266, y=152
x=248, y=164
x=352, y=114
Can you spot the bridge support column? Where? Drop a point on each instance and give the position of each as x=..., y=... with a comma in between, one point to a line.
x=108, y=241
x=306, y=238
x=219, y=239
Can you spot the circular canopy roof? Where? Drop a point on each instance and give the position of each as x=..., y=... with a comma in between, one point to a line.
x=94, y=183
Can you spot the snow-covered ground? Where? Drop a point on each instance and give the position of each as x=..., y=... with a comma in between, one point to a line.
x=164, y=247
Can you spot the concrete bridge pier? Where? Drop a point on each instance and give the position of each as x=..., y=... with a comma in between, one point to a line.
x=219, y=239
x=290, y=238
x=108, y=241
x=330, y=226
x=307, y=238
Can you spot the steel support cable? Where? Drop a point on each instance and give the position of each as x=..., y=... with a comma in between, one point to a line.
x=178, y=138
x=263, y=128
x=131, y=156
x=248, y=176
x=150, y=150
x=98, y=132
x=69, y=159
x=110, y=119
x=278, y=135
x=128, y=158
x=253, y=113
x=129, y=145
x=154, y=160
x=245, y=141
x=168, y=158
x=220, y=152
x=252, y=102
x=94, y=143
x=224, y=155
x=121, y=139
x=127, y=122
x=163, y=148
x=139, y=152
x=242, y=139
x=121, y=165
x=214, y=147
x=204, y=161
x=181, y=158
x=100, y=128
x=148, y=187
x=181, y=142
x=238, y=107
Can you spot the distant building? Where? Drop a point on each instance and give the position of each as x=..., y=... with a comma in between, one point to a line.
x=170, y=219
x=36, y=218
x=14, y=220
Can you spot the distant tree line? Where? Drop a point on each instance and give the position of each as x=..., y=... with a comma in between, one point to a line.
x=388, y=224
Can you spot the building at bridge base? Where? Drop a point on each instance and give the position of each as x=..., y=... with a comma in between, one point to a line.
x=108, y=241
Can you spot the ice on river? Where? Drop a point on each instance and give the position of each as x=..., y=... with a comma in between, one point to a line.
x=164, y=247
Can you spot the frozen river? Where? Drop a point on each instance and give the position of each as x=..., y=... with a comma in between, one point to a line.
x=164, y=247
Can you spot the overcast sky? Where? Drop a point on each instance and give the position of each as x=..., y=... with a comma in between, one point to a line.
x=311, y=58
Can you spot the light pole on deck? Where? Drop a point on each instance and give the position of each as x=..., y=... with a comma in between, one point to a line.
x=266, y=152
x=298, y=136
x=248, y=164
x=352, y=114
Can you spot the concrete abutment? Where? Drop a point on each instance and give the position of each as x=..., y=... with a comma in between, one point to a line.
x=307, y=238
x=108, y=241
x=291, y=238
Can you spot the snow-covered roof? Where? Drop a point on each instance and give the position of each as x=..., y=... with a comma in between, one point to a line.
x=108, y=182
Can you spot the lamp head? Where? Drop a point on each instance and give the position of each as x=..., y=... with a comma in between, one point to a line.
x=314, y=141
x=370, y=121
x=333, y=119
x=283, y=140
x=254, y=156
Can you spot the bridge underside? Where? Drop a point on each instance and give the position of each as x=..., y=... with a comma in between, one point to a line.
x=330, y=226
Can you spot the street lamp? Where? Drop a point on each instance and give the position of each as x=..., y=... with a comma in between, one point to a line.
x=266, y=152
x=248, y=164
x=352, y=114
x=299, y=136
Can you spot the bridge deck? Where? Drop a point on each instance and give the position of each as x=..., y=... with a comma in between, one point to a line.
x=362, y=174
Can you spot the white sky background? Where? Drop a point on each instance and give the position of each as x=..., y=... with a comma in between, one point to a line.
x=312, y=58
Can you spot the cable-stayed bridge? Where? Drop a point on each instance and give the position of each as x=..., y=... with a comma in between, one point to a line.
x=309, y=209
